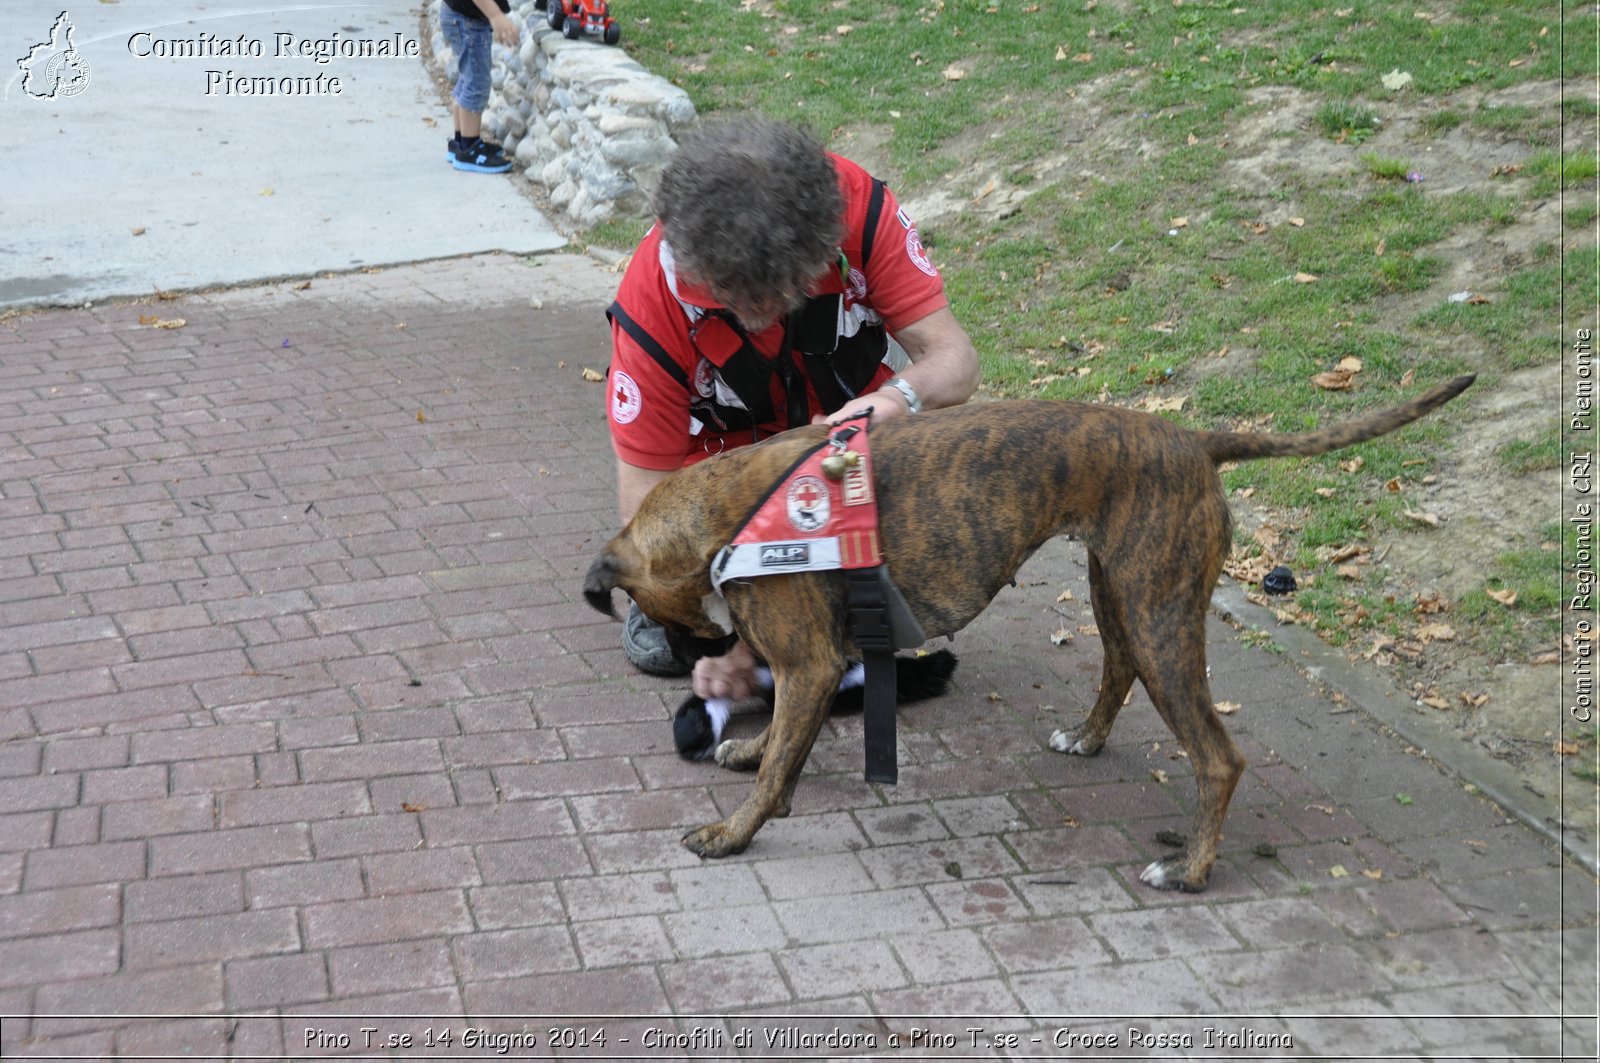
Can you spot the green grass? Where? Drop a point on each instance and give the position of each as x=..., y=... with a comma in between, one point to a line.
x=1523, y=456
x=1385, y=169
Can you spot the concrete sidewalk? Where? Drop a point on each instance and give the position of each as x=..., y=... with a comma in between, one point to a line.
x=307, y=730
x=159, y=175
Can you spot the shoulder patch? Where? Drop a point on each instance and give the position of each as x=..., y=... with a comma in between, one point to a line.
x=903, y=218
x=626, y=399
x=918, y=254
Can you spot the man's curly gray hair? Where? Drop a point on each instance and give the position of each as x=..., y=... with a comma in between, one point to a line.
x=751, y=208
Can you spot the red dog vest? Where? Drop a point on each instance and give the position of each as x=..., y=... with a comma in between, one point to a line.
x=822, y=515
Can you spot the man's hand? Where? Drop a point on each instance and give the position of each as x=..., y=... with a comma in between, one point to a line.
x=731, y=676
x=882, y=406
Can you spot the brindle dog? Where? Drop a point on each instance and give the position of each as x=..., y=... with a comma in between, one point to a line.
x=965, y=495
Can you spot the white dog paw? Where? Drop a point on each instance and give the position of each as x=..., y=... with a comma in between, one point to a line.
x=1154, y=875
x=1064, y=741
x=723, y=752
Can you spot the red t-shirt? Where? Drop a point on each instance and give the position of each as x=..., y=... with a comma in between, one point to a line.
x=648, y=409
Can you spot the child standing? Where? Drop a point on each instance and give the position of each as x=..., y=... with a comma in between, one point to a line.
x=470, y=27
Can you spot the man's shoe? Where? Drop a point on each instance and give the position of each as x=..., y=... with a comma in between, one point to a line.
x=479, y=156
x=645, y=643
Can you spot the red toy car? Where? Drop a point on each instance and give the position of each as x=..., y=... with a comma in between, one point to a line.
x=574, y=18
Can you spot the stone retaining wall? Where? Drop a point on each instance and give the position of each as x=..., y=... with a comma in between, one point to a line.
x=579, y=117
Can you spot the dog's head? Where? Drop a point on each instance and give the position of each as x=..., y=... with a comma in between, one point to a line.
x=695, y=626
x=662, y=559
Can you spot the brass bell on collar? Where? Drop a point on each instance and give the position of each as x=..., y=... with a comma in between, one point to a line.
x=834, y=466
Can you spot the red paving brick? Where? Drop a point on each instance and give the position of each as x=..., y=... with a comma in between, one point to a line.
x=304, y=715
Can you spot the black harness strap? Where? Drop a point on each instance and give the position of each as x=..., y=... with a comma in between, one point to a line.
x=874, y=637
x=648, y=342
x=870, y=228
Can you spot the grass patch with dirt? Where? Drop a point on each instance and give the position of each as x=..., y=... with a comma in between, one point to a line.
x=1269, y=216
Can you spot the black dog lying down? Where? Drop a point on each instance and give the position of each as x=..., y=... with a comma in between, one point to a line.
x=698, y=723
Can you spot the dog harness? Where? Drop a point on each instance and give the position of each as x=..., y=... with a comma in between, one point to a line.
x=820, y=516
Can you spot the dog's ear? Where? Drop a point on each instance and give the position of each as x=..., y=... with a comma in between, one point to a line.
x=600, y=582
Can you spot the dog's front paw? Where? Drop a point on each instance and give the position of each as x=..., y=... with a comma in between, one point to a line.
x=1075, y=741
x=739, y=755
x=1173, y=873
x=713, y=841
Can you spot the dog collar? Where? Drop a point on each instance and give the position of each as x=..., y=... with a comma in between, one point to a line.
x=820, y=516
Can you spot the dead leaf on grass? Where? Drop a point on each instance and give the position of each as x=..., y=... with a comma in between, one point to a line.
x=1431, y=603
x=1430, y=519
x=1506, y=598
x=1436, y=632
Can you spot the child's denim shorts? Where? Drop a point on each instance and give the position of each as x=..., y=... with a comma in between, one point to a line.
x=470, y=40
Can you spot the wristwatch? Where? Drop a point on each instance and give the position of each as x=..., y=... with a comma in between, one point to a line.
x=913, y=401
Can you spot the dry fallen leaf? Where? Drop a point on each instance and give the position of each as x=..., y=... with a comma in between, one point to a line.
x=1065, y=596
x=1506, y=598
x=1304, y=278
x=1566, y=749
x=1061, y=637
x=954, y=73
x=422, y=418
x=1338, y=871
x=1158, y=775
x=593, y=376
x=1227, y=708
x=1430, y=519
x=1334, y=380
x=1353, y=465
x=1373, y=873
x=1436, y=632
x=1061, y=52
x=1430, y=603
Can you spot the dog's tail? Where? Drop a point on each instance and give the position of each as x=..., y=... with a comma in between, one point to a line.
x=1244, y=446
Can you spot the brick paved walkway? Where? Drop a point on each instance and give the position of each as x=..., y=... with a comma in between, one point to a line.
x=307, y=729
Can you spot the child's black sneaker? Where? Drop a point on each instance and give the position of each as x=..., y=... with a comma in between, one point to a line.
x=451, y=146
x=479, y=156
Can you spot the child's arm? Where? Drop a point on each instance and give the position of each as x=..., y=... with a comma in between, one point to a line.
x=505, y=30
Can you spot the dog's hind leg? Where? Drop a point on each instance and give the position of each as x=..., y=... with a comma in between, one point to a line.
x=803, y=698
x=1116, y=671
x=1174, y=673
